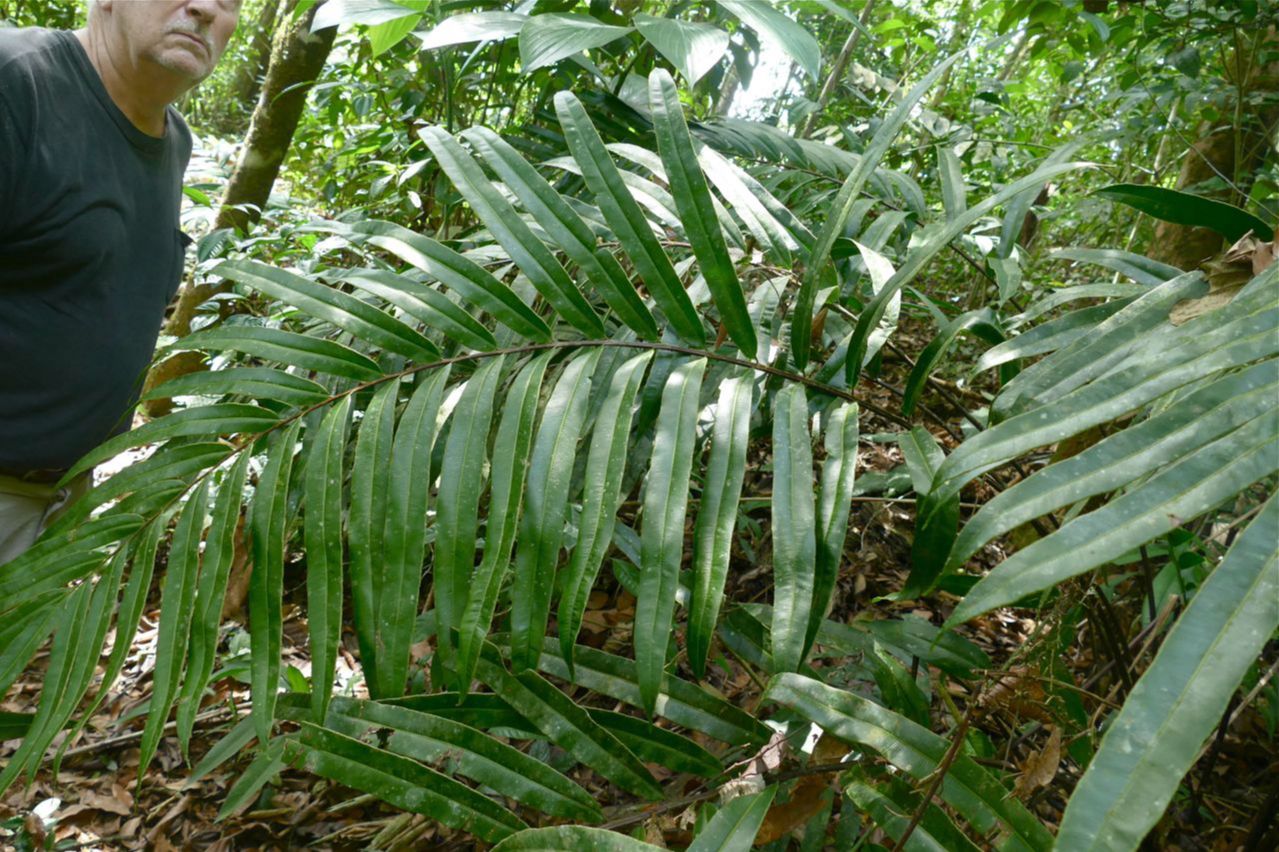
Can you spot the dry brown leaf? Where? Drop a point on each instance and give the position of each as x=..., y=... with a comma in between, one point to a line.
x=1227, y=275
x=1040, y=768
x=805, y=802
x=1018, y=694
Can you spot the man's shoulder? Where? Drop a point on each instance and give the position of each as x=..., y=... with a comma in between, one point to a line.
x=27, y=55
x=25, y=49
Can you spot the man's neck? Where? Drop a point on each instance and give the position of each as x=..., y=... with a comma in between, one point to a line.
x=142, y=97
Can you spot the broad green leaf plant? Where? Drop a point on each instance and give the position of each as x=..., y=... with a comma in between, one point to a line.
x=456, y=436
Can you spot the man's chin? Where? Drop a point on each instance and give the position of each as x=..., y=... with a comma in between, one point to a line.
x=182, y=63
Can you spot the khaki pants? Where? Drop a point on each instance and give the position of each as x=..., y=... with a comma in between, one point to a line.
x=26, y=508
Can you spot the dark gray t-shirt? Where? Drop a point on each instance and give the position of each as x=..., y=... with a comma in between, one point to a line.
x=90, y=251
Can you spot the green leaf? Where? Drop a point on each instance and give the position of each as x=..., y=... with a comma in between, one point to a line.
x=773, y=25
x=401, y=782
x=1050, y=336
x=693, y=48
x=717, y=516
x=458, y=501
x=472, y=26
x=434, y=309
x=842, y=208
x=680, y=701
x=265, y=766
x=396, y=586
x=568, y=725
x=541, y=531
x=734, y=827
x=571, y=838
x=511, y=448
x=605, y=465
x=983, y=322
x=367, y=12
x=348, y=313
x=285, y=347
x=466, y=751
x=914, y=749
x=566, y=229
x=839, y=472
x=1157, y=736
x=533, y=258
x=366, y=522
x=652, y=744
x=776, y=229
x=1138, y=267
x=174, y=631
x=548, y=38
x=322, y=537
x=207, y=421
x=954, y=190
x=1127, y=456
x=386, y=35
x=470, y=280
x=923, y=457
x=256, y=382
x=1182, y=208
x=889, y=806
x=268, y=524
x=869, y=320
x=697, y=210
x=1187, y=489
x=240, y=735
x=793, y=522
x=665, y=506
x=626, y=219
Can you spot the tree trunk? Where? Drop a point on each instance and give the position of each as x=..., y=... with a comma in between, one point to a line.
x=297, y=58
x=836, y=73
x=248, y=82
x=1232, y=152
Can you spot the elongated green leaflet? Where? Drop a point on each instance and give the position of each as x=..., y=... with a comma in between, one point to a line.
x=794, y=541
x=370, y=472
x=402, y=782
x=839, y=472
x=561, y=838
x=507, y=469
x=173, y=632
x=869, y=319
x=457, y=506
x=459, y=748
x=285, y=347
x=683, y=703
x=717, y=518
x=550, y=475
x=256, y=382
x=981, y=322
x=568, y=725
x=469, y=279
x=1186, y=489
x=696, y=210
x=1157, y=735
x=525, y=249
x=268, y=523
x=566, y=229
x=662, y=537
x=914, y=749
x=342, y=310
x=734, y=827
x=626, y=219
x=842, y=208
x=398, y=585
x=610, y=443
x=434, y=309
x=322, y=534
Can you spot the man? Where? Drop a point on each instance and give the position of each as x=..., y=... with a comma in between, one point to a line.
x=91, y=163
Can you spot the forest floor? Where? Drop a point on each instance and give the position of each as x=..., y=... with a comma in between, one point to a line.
x=95, y=801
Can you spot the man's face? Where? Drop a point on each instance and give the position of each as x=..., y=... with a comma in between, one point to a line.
x=186, y=37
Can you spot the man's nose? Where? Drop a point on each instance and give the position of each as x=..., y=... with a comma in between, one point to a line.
x=202, y=10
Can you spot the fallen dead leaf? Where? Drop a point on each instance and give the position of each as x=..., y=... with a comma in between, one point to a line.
x=1040, y=767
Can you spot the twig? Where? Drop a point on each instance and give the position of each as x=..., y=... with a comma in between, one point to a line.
x=938, y=775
